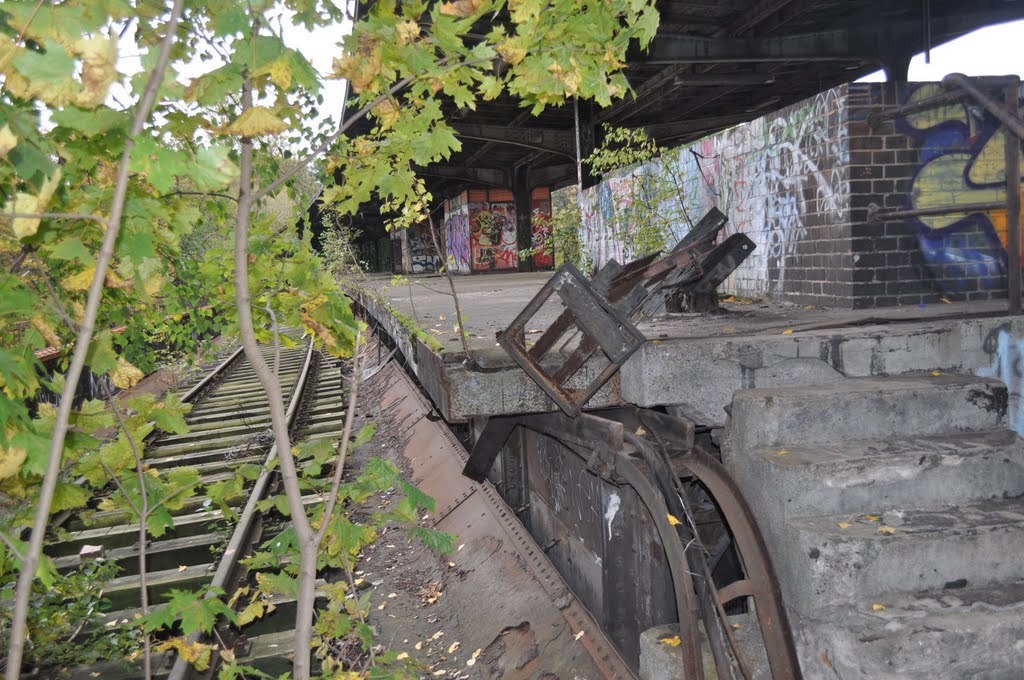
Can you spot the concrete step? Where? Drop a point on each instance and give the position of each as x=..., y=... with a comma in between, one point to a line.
x=871, y=476
x=866, y=408
x=964, y=633
x=844, y=558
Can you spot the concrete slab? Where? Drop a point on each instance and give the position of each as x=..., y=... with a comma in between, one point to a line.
x=695, y=360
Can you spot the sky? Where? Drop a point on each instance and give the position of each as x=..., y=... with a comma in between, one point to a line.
x=991, y=51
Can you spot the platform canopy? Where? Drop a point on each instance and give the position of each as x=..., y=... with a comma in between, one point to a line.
x=713, y=64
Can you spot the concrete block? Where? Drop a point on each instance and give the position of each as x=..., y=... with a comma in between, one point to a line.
x=659, y=661
x=877, y=475
x=831, y=560
x=966, y=633
x=865, y=408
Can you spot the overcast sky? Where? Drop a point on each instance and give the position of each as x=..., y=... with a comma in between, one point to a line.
x=992, y=51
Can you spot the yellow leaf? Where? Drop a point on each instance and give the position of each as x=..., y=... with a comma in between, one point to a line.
x=419, y=645
x=782, y=452
x=872, y=518
x=459, y=8
x=673, y=520
x=228, y=655
x=945, y=301
x=257, y=121
x=279, y=70
x=731, y=298
x=46, y=330
x=673, y=641
x=844, y=525
x=126, y=375
x=408, y=31
x=453, y=646
x=878, y=607
x=402, y=655
x=886, y=530
x=7, y=140
x=727, y=330
x=511, y=51
x=11, y=459
x=99, y=69
x=182, y=567
x=196, y=653
x=27, y=203
x=788, y=331
x=936, y=373
x=387, y=113
x=106, y=505
x=79, y=281
x=112, y=280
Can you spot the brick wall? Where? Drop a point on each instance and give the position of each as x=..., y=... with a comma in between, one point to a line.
x=945, y=156
x=800, y=183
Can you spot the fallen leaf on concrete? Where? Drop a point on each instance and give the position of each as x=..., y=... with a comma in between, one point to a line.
x=392, y=596
x=673, y=520
x=825, y=660
x=673, y=641
x=431, y=593
x=382, y=605
x=578, y=635
x=843, y=525
x=788, y=331
x=727, y=330
x=878, y=607
x=886, y=530
x=453, y=646
x=872, y=518
x=945, y=301
x=419, y=645
x=782, y=452
x=402, y=655
x=437, y=635
x=936, y=373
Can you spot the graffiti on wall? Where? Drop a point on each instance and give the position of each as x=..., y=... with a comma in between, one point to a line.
x=492, y=229
x=423, y=257
x=776, y=178
x=961, y=161
x=540, y=221
x=456, y=233
x=1007, y=352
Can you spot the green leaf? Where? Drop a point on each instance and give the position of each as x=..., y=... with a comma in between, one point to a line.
x=169, y=416
x=94, y=121
x=364, y=435
x=68, y=496
x=53, y=65
x=277, y=584
x=197, y=612
x=101, y=357
x=213, y=169
x=72, y=248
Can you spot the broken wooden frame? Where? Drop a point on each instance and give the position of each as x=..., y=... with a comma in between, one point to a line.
x=603, y=311
x=655, y=455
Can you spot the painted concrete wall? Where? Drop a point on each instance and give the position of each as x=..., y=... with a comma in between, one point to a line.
x=781, y=179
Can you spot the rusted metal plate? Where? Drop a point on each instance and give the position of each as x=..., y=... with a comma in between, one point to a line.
x=511, y=597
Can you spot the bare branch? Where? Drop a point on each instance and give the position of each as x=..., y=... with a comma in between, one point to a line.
x=443, y=253
x=29, y=565
x=211, y=194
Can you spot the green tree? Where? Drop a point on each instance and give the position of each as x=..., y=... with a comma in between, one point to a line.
x=100, y=196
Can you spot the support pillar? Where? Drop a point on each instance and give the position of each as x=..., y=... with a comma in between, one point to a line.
x=524, y=217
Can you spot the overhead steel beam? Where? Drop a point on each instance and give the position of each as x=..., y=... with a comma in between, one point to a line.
x=866, y=42
x=493, y=177
x=553, y=141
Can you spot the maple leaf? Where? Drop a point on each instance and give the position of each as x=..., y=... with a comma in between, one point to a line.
x=459, y=8
x=256, y=122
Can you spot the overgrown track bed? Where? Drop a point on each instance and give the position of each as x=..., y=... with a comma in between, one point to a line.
x=229, y=427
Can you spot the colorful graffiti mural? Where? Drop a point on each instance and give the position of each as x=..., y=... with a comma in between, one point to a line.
x=540, y=221
x=961, y=161
x=456, y=233
x=776, y=178
x=492, y=230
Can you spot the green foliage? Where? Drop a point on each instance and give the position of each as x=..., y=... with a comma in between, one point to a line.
x=169, y=287
x=644, y=217
x=66, y=620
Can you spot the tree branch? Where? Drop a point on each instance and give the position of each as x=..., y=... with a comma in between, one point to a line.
x=212, y=194
x=339, y=465
x=30, y=564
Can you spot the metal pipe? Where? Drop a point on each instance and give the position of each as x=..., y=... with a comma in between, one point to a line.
x=878, y=216
x=1011, y=100
x=1011, y=120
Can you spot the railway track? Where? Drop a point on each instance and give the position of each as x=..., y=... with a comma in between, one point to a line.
x=229, y=427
